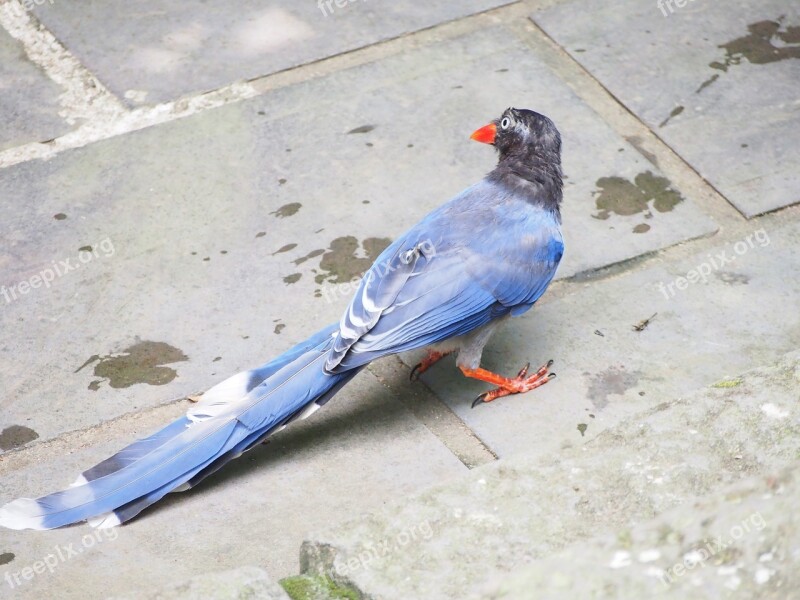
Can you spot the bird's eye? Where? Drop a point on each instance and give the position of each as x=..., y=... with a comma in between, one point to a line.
x=505, y=123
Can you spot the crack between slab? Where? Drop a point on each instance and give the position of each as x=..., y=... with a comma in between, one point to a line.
x=101, y=115
x=433, y=413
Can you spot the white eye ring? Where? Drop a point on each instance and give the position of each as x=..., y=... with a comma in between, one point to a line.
x=505, y=123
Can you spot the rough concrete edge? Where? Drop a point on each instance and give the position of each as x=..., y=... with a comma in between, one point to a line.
x=318, y=558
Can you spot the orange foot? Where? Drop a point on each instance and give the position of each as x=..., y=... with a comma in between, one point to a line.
x=509, y=386
x=427, y=363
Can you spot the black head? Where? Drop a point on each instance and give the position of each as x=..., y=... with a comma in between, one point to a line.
x=522, y=135
x=530, y=151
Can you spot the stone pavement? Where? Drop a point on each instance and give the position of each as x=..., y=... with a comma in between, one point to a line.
x=188, y=190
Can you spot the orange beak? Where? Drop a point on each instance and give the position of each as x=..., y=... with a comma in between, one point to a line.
x=485, y=134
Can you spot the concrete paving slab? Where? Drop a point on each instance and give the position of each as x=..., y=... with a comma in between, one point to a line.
x=738, y=543
x=158, y=51
x=354, y=456
x=710, y=322
x=178, y=255
x=236, y=584
x=28, y=99
x=717, y=81
x=447, y=542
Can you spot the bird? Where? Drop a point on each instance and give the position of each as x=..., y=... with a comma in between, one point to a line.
x=482, y=258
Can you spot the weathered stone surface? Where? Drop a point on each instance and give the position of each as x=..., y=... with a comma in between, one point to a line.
x=739, y=543
x=236, y=584
x=716, y=80
x=448, y=541
x=161, y=50
x=28, y=99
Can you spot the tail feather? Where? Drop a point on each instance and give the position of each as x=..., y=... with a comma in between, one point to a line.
x=226, y=423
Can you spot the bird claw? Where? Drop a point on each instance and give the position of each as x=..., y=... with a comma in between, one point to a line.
x=518, y=385
x=427, y=363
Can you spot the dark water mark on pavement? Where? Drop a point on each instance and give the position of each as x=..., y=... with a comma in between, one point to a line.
x=636, y=142
x=675, y=112
x=732, y=278
x=287, y=210
x=611, y=381
x=16, y=436
x=340, y=263
x=309, y=256
x=622, y=197
x=766, y=43
x=141, y=363
x=362, y=129
x=285, y=248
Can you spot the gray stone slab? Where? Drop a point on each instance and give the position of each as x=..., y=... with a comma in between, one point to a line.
x=718, y=81
x=714, y=327
x=159, y=50
x=741, y=544
x=236, y=584
x=356, y=455
x=452, y=540
x=222, y=239
x=28, y=99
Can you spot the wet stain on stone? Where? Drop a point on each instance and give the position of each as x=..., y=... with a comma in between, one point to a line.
x=614, y=380
x=582, y=427
x=59, y=216
x=279, y=327
x=287, y=210
x=16, y=436
x=732, y=278
x=641, y=228
x=293, y=278
x=141, y=363
x=767, y=42
x=675, y=112
x=340, y=262
x=6, y=557
x=310, y=255
x=285, y=248
x=261, y=234
x=636, y=142
x=362, y=129
x=625, y=198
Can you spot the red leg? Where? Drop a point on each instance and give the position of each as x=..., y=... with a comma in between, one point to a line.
x=507, y=386
x=427, y=363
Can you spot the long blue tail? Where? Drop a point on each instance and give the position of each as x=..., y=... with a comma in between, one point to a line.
x=231, y=418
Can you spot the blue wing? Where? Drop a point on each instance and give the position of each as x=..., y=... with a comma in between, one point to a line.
x=484, y=254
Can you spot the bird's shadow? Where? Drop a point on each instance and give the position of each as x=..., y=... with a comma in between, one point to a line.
x=374, y=413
